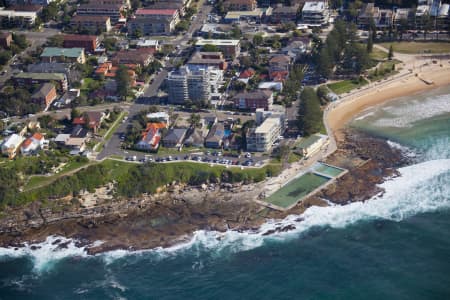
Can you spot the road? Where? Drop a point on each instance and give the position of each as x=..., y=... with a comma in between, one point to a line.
x=112, y=147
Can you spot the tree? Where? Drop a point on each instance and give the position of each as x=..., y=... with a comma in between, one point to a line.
x=55, y=41
x=182, y=26
x=391, y=52
x=123, y=80
x=194, y=120
x=370, y=44
x=50, y=12
x=257, y=40
x=20, y=40
x=5, y=56
x=309, y=113
x=74, y=113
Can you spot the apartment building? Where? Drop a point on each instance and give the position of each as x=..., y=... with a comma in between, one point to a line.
x=114, y=11
x=240, y=5
x=56, y=54
x=91, y=23
x=254, y=100
x=284, y=14
x=185, y=84
x=262, y=138
x=154, y=21
x=17, y=18
x=207, y=59
x=229, y=48
x=316, y=13
x=26, y=79
x=88, y=42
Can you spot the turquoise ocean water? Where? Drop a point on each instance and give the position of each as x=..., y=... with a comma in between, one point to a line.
x=395, y=246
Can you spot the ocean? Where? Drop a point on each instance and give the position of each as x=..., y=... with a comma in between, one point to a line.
x=394, y=246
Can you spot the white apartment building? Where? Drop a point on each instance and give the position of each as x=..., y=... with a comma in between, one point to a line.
x=185, y=84
x=19, y=18
x=315, y=13
x=262, y=138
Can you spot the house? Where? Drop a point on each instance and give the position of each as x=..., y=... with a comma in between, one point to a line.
x=207, y=59
x=297, y=47
x=174, y=138
x=5, y=39
x=114, y=11
x=279, y=63
x=33, y=144
x=94, y=24
x=151, y=137
x=108, y=71
x=11, y=145
x=284, y=14
x=253, y=100
x=312, y=144
x=315, y=13
x=154, y=21
x=77, y=140
x=229, y=48
x=215, y=136
x=271, y=85
x=95, y=119
x=368, y=13
x=27, y=79
x=161, y=116
x=55, y=54
x=195, y=138
x=240, y=5
x=149, y=44
x=45, y=95
x=88, y=42
x=141, y=57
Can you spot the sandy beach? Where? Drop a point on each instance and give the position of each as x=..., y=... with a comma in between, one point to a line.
x=409, y=81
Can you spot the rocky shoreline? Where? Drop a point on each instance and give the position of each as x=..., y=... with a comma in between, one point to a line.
x=171, y=216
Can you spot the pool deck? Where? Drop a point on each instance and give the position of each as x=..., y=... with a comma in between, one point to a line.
x=311, y=170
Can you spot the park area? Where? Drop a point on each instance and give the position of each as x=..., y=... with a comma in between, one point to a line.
x=295, y=190
x=419, y=47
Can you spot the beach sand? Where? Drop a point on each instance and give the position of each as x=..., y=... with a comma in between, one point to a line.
x=340, y=113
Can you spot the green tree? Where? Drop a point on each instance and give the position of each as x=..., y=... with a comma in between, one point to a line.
x=309, y=113
x=391, y=52
x=194, y=120
x=257, y=40
x=74, y=113
x=20, y=40
x=369, y=44
x=123, y=80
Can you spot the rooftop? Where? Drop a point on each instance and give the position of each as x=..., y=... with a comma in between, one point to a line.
x=67, y=52
x=307, y=142
x=79, y=37
x=314, y=6
x=203, y=42
x=43, y=76
x=159, y=12
x=267, y=125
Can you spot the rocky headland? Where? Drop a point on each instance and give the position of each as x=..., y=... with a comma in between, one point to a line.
x=178, y=210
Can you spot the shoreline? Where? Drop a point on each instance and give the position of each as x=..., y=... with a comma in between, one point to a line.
x=340, y=113
x=182, y=212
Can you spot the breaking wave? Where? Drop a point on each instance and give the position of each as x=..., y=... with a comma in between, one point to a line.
x=422, y=187
x=405, y=115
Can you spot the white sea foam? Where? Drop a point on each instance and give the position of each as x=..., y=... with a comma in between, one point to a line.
x=408, y=152
x=45, y=254
x=422, y=188
x=406, y=114
x=367, y=114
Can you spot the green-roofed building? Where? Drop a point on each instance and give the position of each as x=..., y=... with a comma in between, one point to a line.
x=310, y=145
x=27, y=79
x=55, y=54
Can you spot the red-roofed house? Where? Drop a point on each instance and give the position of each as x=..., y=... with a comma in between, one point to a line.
x=95, y=119
x=151, y=137
x=279, y=76
x=33, y=144
x=154, y=21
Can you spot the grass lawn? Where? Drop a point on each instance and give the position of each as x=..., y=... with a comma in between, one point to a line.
x=114, y=126
x=187, y=150
x=38, y=180
x=418, y=47
x=295, y=190
x=345, y=86
x=384, y=70
x=90, y=84
x=378, y=54
x=294, y=157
